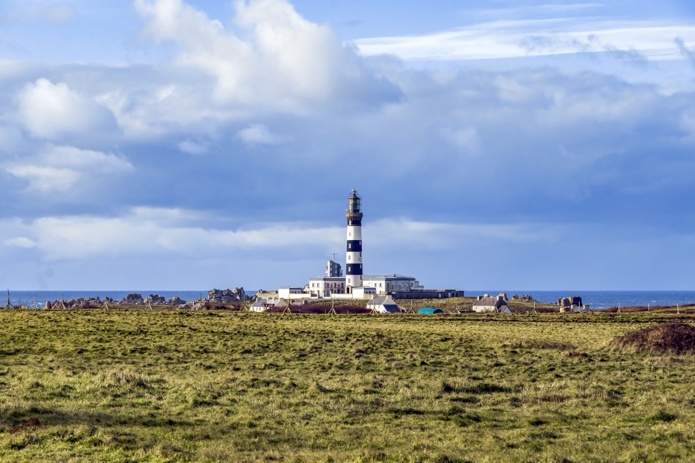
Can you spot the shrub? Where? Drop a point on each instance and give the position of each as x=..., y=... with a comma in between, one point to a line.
x=676, y=338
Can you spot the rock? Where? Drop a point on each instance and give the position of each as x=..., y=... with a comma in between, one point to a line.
x=177, y=301
x=132, y=299
x=155, y=299
x=48, y=305
x=226, y=296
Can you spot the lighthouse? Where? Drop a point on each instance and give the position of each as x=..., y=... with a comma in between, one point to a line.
x=353, y=258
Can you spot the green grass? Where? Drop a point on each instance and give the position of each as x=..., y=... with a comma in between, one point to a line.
x=166, y=385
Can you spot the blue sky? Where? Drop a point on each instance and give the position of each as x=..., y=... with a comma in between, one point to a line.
x=165, y=144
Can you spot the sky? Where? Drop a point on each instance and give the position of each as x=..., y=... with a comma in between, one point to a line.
x=171, y=144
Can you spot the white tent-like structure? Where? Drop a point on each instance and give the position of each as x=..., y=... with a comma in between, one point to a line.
x=383, y=304
x=491, y=304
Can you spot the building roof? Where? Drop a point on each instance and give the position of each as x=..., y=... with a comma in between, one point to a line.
x=489, y=302
x=386, y=301
x=378, y=300
x=392, y=276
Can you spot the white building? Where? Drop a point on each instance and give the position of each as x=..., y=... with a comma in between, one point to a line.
x=388, y=283
x=488, y=303
x=371, y=284
x=291, y=293
x=383, y=304
x=333, y=269
x=259, y=306
x=325, y=286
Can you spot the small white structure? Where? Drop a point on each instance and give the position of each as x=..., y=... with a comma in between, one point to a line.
x=487, y=303
x=290, y=293
x=383, y=304
x=363, y=292
x=259, y=306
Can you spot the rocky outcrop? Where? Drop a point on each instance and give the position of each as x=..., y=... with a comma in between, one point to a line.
x=176, y=301
x=155, y=299
x=79, y=303
x=133, y=299
x=525, y=297
x=226, y=296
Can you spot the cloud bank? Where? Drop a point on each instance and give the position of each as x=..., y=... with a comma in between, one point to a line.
x=232, y=151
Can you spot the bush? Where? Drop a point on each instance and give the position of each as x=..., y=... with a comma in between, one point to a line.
x=676, y=338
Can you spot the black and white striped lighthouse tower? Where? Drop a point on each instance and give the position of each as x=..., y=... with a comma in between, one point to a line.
x=353, y=258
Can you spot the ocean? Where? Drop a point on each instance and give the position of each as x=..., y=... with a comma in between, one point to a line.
x=27, y=297
x=596, y=299
x=605, y=299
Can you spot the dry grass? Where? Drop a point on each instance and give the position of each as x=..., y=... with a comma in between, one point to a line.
x=669, y=338
x=204, y=386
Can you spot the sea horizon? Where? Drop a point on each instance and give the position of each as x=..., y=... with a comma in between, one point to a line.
x=596, y=299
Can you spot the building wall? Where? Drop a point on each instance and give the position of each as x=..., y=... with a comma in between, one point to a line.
x=333, y=269
x=427, y=294
x=321, y=285
x=385, y=285
x=293, y=293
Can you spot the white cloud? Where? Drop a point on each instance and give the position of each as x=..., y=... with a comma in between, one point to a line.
x=44, y=179
x=146, y=234
x=283, y=63
x=51, y=111
x=631, y=41
x=153, y=231
x=258, y=134
x=419, y=235
x=189, y=146
x=21, y=242
x=59, y=168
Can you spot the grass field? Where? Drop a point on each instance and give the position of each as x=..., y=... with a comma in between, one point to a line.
x=168, y=385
